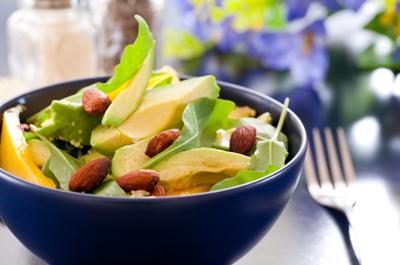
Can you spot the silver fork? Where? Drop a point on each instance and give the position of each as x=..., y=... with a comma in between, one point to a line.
x=333, y=186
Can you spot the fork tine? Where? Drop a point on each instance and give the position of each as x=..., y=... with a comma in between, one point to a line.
x=309, y=169
x=321, y=160
x=348, y=166
x=333, y=158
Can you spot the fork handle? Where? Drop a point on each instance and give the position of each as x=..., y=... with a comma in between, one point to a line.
x=354, y=235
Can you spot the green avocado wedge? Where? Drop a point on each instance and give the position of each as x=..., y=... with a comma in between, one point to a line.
x=130, y=157
x=162, y=107
x=199, y=166
x=106, y=140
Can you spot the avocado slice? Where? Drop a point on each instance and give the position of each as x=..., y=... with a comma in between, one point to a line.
x=90, y=156
x=162, y=107
x=199, y=166
x=130, y=157
x=106, y=140
x=38, y=151
x=129, y=99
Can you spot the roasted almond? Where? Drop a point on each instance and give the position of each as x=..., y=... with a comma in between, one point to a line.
x=141, y=179
x=90, y=175
x=243, y=139
x=95, y=102
x=158, y=191
x=161, y=142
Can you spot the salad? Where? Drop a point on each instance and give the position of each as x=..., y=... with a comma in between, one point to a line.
x=143, y=133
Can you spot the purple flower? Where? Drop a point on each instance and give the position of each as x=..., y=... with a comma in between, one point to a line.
x=303, y=53
x=396, y=55
x=334, y=5
x=297, y=8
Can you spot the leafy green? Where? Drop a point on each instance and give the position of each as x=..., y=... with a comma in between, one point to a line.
x=201, y=118
x=69, y=122
x=46, y=170
x=268, y=152
x=132, y=58
x=243, y=176
x=109, y=188
x=61, y=164
x=271, y=152
x=269, y=156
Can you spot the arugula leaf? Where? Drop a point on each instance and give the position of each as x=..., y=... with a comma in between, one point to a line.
x=109, y=188
x=242, y=177
x=61, y=164
x=268, y=153
x=271, y=152
x=132, y=58
x=47, y=172
x=201, y=118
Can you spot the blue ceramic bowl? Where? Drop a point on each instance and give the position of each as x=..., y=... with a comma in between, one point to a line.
x=209, y=228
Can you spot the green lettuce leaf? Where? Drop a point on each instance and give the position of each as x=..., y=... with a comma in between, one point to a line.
x=243, y=176
x=132, y=58
x=201, y=118
x=60, y=164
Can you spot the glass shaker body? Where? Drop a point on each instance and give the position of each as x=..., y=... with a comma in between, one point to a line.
x=48, y=45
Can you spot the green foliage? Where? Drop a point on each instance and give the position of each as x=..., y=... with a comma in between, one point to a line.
x=61, y=165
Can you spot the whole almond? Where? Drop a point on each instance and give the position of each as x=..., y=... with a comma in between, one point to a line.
x=95, y=102
x=161, y=142
x=90, y=175
x=243, y=139
x=158, y=191
x=141, y=179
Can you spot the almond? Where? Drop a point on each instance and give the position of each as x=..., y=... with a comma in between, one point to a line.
x=95, y=102
x=158, y=191
x=90, y=175
x=161, y=142
x=142, y=179
x=243, y=139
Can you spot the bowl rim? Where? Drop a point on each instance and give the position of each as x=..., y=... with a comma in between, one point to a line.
x=76, y=195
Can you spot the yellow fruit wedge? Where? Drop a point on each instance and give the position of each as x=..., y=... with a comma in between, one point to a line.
x=14, y=151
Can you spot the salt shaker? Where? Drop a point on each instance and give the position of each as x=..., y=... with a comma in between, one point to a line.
x=51, y=41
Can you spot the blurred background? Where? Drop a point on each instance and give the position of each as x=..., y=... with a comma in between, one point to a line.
x=338, y=61
x=336, y=53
